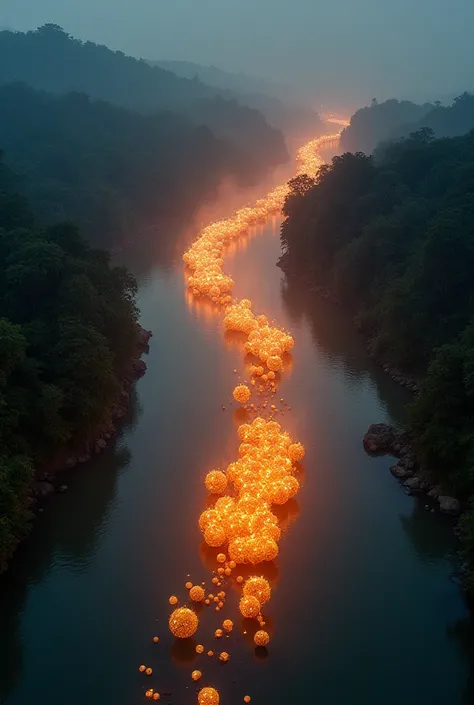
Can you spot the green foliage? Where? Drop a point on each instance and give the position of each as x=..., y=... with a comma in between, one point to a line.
x=393, y=238
x=67, y=334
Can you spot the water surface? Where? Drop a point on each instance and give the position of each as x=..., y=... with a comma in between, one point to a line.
x=363, y=609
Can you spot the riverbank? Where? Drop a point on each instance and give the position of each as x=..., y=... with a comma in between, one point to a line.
x=47, y=476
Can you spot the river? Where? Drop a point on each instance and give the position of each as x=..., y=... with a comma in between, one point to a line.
x=363, y=609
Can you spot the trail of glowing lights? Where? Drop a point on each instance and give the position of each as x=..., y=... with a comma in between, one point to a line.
x=241, y=527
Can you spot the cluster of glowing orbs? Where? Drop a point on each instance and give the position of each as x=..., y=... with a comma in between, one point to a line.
x=249, y=606
x=208, y=696
x=262, y=476
x=241, y=393
x=216, y=482
x=197, y=593
x=265, y=342
x=258, y=587
x=183, y=622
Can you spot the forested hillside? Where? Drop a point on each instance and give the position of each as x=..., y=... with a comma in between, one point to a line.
x=381, y=122
x=67, y=335
x=378, y=122
x=283, y=111
x=393, y=239
x=109, y=169
x=51, y=60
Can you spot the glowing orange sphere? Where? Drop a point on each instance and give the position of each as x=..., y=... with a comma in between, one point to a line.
x=221, y=558
x=218, y=633
x=196, y=675
x=247, y=698
x=188, y=585
x=227, y=625
x=173, y=600
x=156, y=696
x=183, y=622
x=214, y=535
x=224, y=656
x=258, y=587
x=296, y=452
x=155, y=639
x=249, y=606
x=149, y=671
x=241, y=393
x=261, y=638
x=208, y=696
x=197, y=593
x=199, y=649
x=216, y=482
x=142, y=668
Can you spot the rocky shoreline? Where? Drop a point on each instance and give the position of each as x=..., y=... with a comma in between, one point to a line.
x=47, y=481
x=383, y=439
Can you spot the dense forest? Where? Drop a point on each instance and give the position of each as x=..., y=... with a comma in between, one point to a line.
x=51, y=60
x=393, y=239
x=108, y=169
x=68, y=333
x=394, y=119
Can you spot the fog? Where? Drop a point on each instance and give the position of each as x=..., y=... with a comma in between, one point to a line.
x=342, y=52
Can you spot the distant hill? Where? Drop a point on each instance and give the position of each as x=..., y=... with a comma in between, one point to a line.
x=107, y=168
x=382, y=122
x=379, y=122
x=275, y=101
x=49, y=59
x=445, y=120
x=214, y=76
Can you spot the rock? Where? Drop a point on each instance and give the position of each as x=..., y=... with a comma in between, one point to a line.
x=413, y=483
x=449, y=505
x=144, y=336
x=42, y=489
x=71, y=462
x=139, y=367
x=99, y=446
x=400, y=472
x=379, y=438
x=84, y=458
x=435, y=492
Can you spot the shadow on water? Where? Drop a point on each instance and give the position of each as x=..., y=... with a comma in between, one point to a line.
x=329, y=324
x=67, y=531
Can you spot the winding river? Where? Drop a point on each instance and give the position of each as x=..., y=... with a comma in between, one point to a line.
x=363, y=609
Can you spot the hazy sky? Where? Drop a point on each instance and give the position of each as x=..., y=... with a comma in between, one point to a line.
x=352, y=50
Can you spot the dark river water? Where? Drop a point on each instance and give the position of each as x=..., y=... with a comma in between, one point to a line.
x=363, y=608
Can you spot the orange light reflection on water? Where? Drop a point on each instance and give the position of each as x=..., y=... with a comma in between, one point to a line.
x=257, y=503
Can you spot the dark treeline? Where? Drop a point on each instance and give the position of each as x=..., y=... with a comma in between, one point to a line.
x=393, y=239
x=68, y=333
x=51, y=60
x=394, y=119
x=106, y=168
